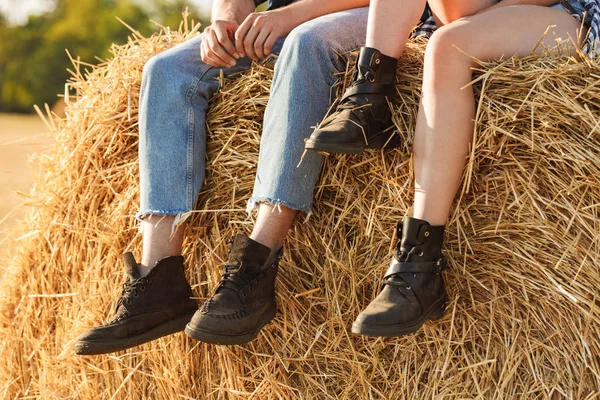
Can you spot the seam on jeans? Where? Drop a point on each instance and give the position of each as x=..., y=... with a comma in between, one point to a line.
x=253, y=203
x=191, y=131
x=199, y=75
x=190, y=156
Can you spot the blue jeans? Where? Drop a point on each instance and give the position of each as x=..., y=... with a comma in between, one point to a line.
x=300, y=97
x=176, y=89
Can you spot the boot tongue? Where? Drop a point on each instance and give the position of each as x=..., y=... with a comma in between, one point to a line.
x=417, y=232
x=131, y=266
x=249, y=253
x=411, y=227
x=133, y=272
x=252, y=256
x=371, y=60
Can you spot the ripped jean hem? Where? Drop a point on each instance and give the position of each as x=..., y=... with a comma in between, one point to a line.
x=180, y=217
x=253, y=203
x=142, y=214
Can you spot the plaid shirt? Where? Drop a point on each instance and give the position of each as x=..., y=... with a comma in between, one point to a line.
x=426, y=29
x=274, y=3
x=589, y=11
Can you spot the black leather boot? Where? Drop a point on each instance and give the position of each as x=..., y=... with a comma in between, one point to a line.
x=150, y=307
x=244, y=301
x=363, y=118
x=413, y=288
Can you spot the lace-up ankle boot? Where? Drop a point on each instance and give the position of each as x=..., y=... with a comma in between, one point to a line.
x=244, y=300
x=363, y=118
x=150, y=307
x=413, y=289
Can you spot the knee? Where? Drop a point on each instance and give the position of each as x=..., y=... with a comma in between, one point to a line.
x=304, y=41
x=448, y=48
x=158, y=67
x=307, y=54
x=446, y=64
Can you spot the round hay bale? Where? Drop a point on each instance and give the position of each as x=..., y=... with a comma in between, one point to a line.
x=523, y=245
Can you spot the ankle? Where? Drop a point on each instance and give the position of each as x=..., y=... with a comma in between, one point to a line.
x=273, y=243
x=431, y=219
x=148, y=263
x=144, y=269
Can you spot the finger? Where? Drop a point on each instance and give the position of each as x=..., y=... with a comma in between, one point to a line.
x=249, y=42
x=204, y=52
x=240, y=35
x=208, y=56
x=207, y=59
x=223, y=38
x=218, y=52
x=259, y=44
x=269, y=43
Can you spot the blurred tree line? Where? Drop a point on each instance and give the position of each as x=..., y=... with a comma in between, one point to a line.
x=33, y=61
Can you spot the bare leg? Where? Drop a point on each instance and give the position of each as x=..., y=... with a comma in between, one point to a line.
x=272, y=225
x=445, y=122
x=157, y=241
x=390, y=23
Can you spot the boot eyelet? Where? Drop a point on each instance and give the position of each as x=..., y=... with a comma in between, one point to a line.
x=136, y=295
x=149, y=280
x=127, y=301
x=377, y=61
x=426, y=233
x=420, y=254
x=408, y=287
x=142, y=288
x=371, y=79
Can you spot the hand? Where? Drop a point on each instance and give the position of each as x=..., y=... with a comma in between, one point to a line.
x=217, y=47
x=260, y=30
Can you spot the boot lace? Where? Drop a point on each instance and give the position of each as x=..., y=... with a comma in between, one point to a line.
x=237, y=278
x=395, y=279
x=129, y=293
x=131, y=289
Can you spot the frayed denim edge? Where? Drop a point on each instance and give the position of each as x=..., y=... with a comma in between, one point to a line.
x=253, y=203
x=180, y=217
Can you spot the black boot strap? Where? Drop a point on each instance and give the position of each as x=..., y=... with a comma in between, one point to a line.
x=428, y=267
x=370, y=88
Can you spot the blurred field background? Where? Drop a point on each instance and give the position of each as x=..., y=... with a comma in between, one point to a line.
x=36, y=38
x=21, y=137
x=33, y=52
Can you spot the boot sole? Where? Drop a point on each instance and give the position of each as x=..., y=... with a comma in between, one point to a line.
x=376, y=143
x=436, y=311
x=317, y=145
x=224, y=339
x=91, y=347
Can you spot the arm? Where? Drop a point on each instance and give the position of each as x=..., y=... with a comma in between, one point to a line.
x=217, y=47
x=232, y=10
x=257, y=34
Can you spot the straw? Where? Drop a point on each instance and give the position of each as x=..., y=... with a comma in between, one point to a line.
x=523, y=248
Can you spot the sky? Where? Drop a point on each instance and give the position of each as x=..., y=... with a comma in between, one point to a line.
x=17, y=11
